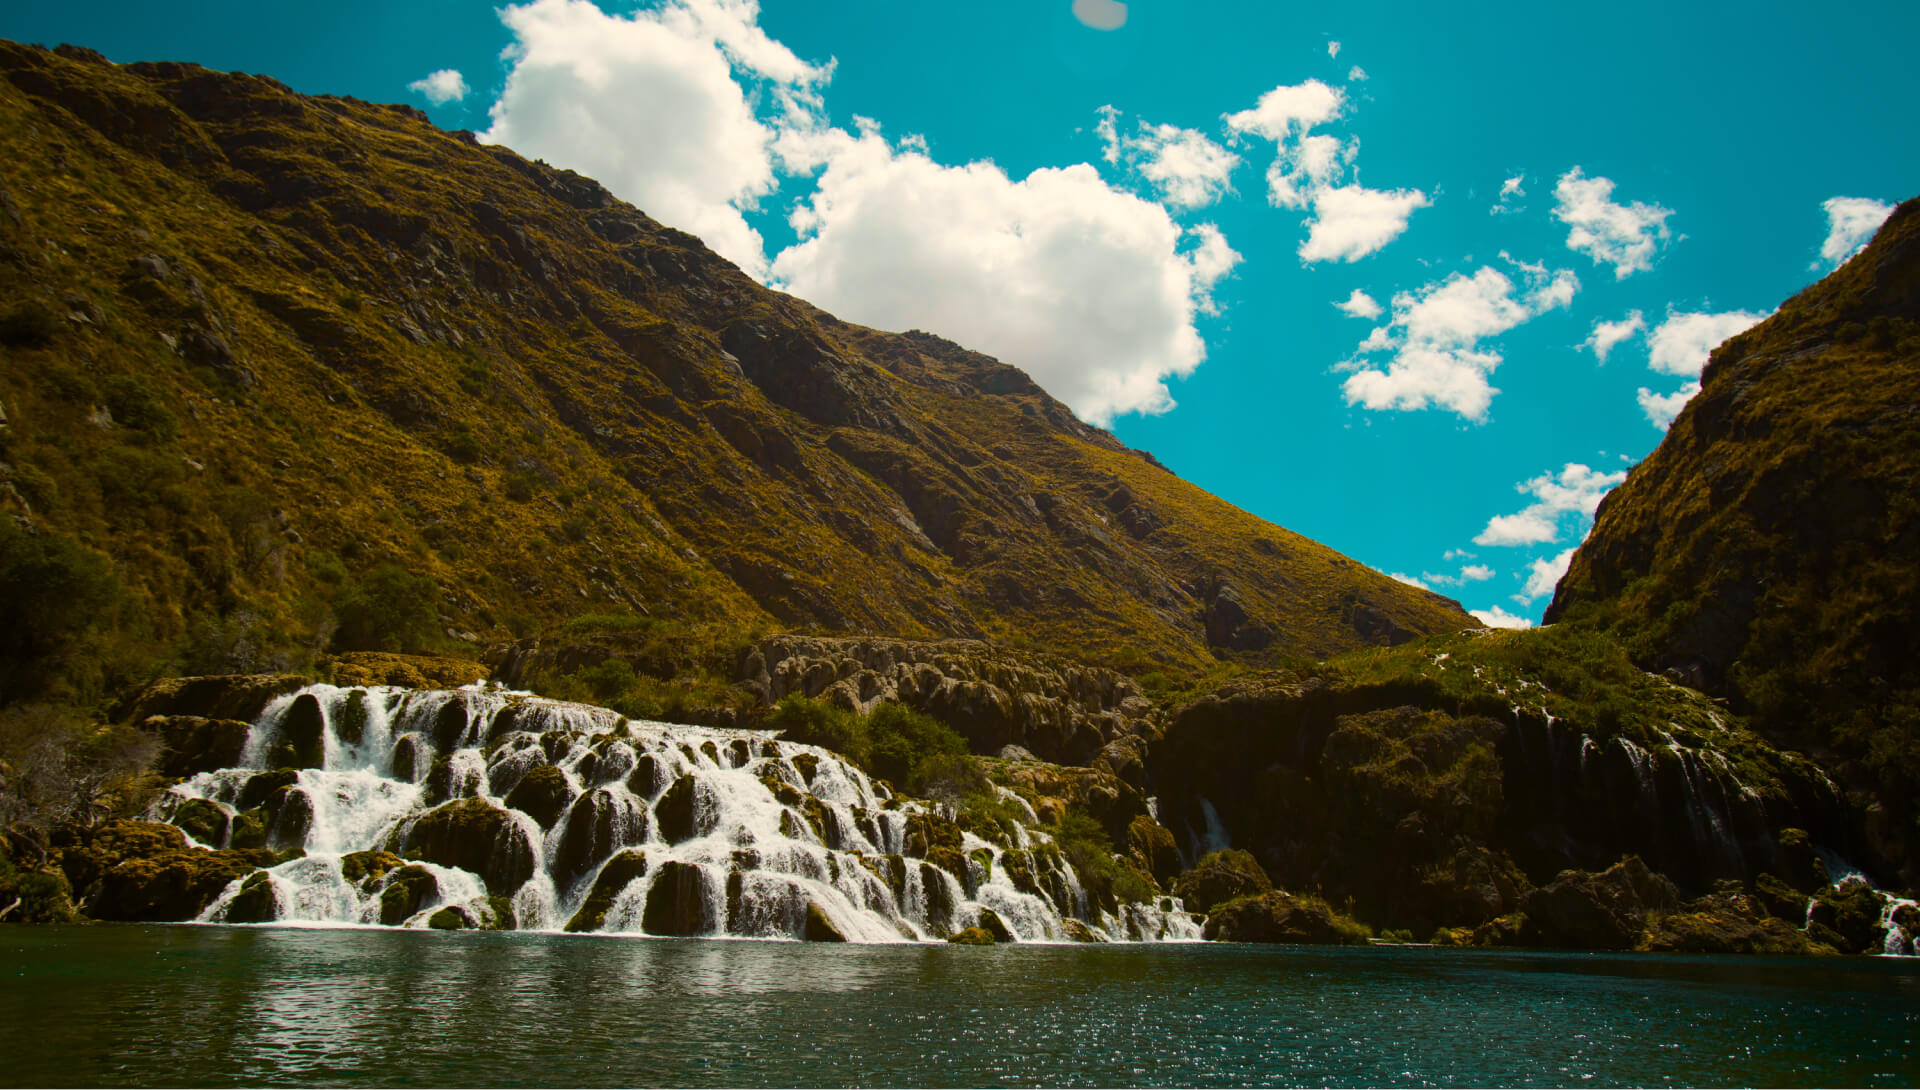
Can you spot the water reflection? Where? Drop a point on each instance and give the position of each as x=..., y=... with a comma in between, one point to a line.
x=225, y=1006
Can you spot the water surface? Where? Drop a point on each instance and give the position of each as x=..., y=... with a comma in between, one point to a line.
x=179, y=1005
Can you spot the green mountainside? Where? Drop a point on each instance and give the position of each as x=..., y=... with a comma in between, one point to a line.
x=285, y=374
x=1769, y=550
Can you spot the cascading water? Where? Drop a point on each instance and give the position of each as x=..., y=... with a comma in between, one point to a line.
x=485, y=808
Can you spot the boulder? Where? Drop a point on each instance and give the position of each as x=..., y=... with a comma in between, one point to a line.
x=301, y=742
x=542, y=794
x=679, y=813
x=365, y=868
x=679, y=903
x=203, y=820
x=255, y=903
x=1220, y=877
x=195, y=744
x=1853, y=911
x=1153, y=849
x=818, y=927
x=1729, y=923
x=1604, y=911
x=224, y=696
x=477, y=837
x=599, y=823
x=136, y=870
x=972, y=936
x=614, y=877
x=408, y=889
x=1280, y=917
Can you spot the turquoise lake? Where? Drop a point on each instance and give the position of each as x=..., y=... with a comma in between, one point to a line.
x=184, y=1005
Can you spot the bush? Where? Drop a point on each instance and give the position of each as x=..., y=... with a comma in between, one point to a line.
x=135, y=402
x=29, y=325
x=52, y=590
x=1085, y=844
x=388, y=609
x=818, y=723
x=57, y=772
x=911, y=749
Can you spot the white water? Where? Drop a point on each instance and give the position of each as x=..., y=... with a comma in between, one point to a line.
x=750, y=865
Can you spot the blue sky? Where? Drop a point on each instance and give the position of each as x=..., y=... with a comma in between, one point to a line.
x=1157, y=209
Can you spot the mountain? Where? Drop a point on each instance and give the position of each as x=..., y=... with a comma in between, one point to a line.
x=284, y=372
x=1768, y=552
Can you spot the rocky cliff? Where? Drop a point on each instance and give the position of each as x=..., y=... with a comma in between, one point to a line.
x=1769, y=550
x=280, y=370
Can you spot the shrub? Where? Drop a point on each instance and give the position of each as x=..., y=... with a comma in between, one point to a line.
x=135, y=402
x=29, y=325
x=51, y=590
x=818, y=723
x=907, y=747
x=388, y=609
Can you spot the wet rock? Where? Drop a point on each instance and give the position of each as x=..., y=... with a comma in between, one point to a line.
x=618, y=873
x=1153, y=849
x=452, y=918
x=648, y=777
x=678, y=812
x=350, y=724
x=137, y=870
x=1729, y=923
x=196, y=744
x=1221, y=877
x=265, y=786
x=475, y=836
x=542, y=794
x=224, y=696
x=203, y=820
x=364, y=868
x=1281, y=917
x=1078, y=931
x=255, y=903
x=292, y=821
x=995, y=928
x=599, y=822
x=818, y=927
x=1852, y=910
x=1799, y=864
x=302, y=739
x=680, y=902
x=409, y=758
x=972, y=936
x=408, y=889
x=1604, y=911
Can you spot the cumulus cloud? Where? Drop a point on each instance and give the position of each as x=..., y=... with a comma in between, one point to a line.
x=1495, y=617
x=1606, y=335
x=1408, y=580
x=1435, y=336
x=1309, y=171
x=1360, y=305
x=1570, y=496
x=1851, y=222
x=446, y=85
x=1511, y=191
x=1188, y=169
x=1101, y=14
x=1284, y=110
x=1352, y=221
x=1356, y=74
x=1661, y=409
x=652, y=104
x=1680, y=346
x=1093, y=291
x=1625, y=236
x=1543, y=575
x=1475, y=573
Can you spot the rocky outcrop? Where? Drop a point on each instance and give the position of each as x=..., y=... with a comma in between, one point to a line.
x=1604, y=911
x=1059, y=710
x=1277, y=917
x=1222, y=876
x=134, y=870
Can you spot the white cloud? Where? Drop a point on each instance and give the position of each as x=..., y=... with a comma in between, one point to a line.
x=1681, y=344
x=1512, y=186
x=1575, y=491
x=1188, y=169
x=1625, y=236
x=1511, y=191
x=1283, y=109
x=1661, y=409
x=1543, y=575
x=1360, y=305
x=1851, y=222
x=1352, y=221
x=1408, y=580
x=1436, y=332
x=1101, y=14
x=1091, y=290
x=1495, y=617
x=1606, y=335
x=1356, y=74
x=446, y=85
x=1475, y=573
x=1333, y=50
x=1349, y=221
x=651, y=104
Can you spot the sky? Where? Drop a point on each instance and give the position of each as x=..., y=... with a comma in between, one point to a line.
x=1418, y=281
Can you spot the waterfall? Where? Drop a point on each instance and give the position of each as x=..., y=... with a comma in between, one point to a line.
x=481, y=807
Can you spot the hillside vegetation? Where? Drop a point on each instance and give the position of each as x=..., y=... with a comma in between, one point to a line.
x=283, y=375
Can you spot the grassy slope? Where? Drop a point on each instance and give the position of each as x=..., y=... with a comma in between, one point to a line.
x=367, y=341
x=1770, y=547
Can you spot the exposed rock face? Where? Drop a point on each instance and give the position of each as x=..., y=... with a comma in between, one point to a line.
x=1058, y=710
x=141, y=871
x=1766, y=551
